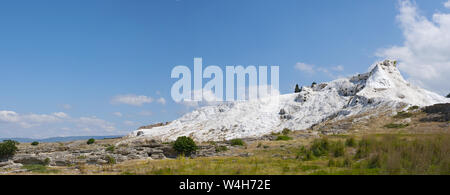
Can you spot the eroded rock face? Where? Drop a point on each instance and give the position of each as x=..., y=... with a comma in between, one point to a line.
x=437, y=113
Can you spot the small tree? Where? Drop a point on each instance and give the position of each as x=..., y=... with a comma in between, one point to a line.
x=35, y=143
x=185, y=145
x=313, y=84
x=8, y=148
x=297, y=89
x=90, y=141
x=237, y=142
x=448, y=96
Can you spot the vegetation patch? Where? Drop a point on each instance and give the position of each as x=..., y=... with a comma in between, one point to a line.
x=396, y=126
x=283, y=138
x=38, y=168
x=221, y=148
x=8, y=148
x=286, y=131
x=185, y=145
x=91, y=141
x=237, y=142
x=110, y=148
x=403, y=114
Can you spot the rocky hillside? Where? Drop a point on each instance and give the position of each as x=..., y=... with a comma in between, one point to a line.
x=381, y=90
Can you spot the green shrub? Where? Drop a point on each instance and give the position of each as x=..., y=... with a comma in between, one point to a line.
x=259, y=145
x=35, y=143
x=37, y=168
x=320, y=147
x=110, y=148
x=374, y=162
x=237, y=142
x=185, y=145
x=297, y=89
x=347, y=162
x=286, y=131
x=221, y=148
x=413, y=108
x=47, y=161
x=90, y=141
x=308, y=155
x=396, y=126
x=338, y=149
x=111, y=160
x=8, y=148
x=350, y=142
x=283, y=138
x=332, y=163
x=364, y=147
x=403, y=114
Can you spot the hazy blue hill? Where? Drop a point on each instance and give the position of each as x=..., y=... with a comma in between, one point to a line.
x=60, y=139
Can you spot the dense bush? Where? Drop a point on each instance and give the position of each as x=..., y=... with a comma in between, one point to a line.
x=286, y=131
x=413, y=108
x=320, y=147
x=403, y=114
x=283, y=138
x=8, y=148
x=110, y=148
x=221, y=148
x=185, y=145
x=90, y=141
x=297, y=89
x=396, y=126
x=237, y=142
x=35, y=143
x=350, y=142
x=338, y=149
x=111, y=160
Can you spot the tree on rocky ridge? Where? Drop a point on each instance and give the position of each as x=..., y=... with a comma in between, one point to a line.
x=297, y=89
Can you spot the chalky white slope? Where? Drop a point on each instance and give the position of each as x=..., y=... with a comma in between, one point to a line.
x=382, y=88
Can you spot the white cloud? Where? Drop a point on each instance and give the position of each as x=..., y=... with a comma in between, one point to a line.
x=9, y=116
x=447, y=4
x=304, y=67
x=161, y=100
x=309, y=68
x=145, y=113
x=93, y=123
x=61, y=114
x=67, y=106
x=131, y=99
x=131, y=123
x=31, y=120
x=338, y=68
x=425, y=53
x=48, y=124
x=118, y=114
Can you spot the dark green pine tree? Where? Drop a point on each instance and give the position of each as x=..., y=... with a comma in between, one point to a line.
x=448, y=96
x=297, y=89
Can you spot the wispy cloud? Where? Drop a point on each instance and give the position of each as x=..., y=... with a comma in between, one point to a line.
x=118, y=114
x=447, y=4
x=312, y=69
x=304, y=67
x=26, y=121
x=131, y=99
x=424, y=55
x=161, y=100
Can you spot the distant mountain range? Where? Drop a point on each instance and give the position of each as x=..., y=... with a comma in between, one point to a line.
x=61, y=139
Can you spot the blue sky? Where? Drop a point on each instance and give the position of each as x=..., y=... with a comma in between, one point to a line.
x=65, y=63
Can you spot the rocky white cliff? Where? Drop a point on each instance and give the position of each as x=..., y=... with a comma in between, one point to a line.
x=380, y=89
